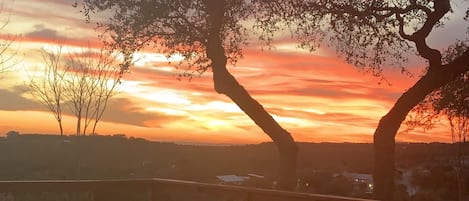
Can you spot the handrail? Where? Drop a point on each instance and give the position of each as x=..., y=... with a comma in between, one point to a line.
x=150, y=185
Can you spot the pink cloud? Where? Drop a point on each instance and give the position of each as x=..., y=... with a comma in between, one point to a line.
x=316, y=96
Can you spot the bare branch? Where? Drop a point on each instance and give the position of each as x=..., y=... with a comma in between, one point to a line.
x=48, y=85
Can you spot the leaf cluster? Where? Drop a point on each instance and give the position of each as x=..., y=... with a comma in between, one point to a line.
x=368, y=34
x=450, y=100
x=173, y=27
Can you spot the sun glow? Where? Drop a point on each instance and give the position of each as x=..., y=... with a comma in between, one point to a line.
x=167, y=111
x=217, y=124
x=295, y=122
x=316, y=96
x=215, y=105
x=141, y=59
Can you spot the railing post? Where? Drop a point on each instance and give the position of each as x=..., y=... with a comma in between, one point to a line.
x=99, y=195
x=248, y=196
x=150, y=193
x=106, y=194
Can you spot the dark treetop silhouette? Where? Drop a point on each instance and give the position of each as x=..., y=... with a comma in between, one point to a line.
x=208, y=34
x=7, y=50
x=84, y=81
x=49, y=89
x=452, y=102
x=370, y=35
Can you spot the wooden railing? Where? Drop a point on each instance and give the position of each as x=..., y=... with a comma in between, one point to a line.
x=161, y=189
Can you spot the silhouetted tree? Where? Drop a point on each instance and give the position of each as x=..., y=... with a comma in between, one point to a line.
x=208, y=34
x=450, y=101
x=108, y=76
x=12, y=134
x=48, y=85
x=370, y=35
x=91, y=80
x=6, y=52
x=78, y=92
x=84, y=80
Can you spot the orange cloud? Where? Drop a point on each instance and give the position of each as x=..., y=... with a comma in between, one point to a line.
x=315, y=96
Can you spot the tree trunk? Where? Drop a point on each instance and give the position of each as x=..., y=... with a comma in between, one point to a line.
x=225, y=83
x=384, y=144
x=58, y=113
x=94, y=128
x=79, y=124
x=60, y=127
x=384, y=136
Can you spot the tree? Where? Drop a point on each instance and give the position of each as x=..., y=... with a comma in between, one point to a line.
x=12, y=134
x=92, y=79
x=371, y=35
x=84, y=81
x=208, y=34
x=6, y=54
x=450, y=101
x=78, y=92
x=108, y=76
x=48, y=87
x=454, y=103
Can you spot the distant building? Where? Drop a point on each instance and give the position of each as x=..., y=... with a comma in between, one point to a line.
x=250, y=179
x=232, y=179
x=360, y=180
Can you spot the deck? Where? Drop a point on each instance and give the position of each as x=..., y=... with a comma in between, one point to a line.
x=156, y=190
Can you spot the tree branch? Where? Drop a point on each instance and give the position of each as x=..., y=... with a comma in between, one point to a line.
x=419, y=37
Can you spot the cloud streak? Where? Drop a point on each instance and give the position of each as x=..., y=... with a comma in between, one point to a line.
x=316, y=96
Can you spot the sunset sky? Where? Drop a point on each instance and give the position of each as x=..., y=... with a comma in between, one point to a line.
x=316, y=96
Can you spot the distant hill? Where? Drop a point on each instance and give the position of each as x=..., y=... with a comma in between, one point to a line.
x=25, y=157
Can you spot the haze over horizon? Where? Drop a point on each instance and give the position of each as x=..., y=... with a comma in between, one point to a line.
x=316, y=96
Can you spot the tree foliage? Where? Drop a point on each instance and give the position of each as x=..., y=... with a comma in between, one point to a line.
x=171, y=27
x=207, y=34
x=372, y=35
x=368, y=34
x=450, y=101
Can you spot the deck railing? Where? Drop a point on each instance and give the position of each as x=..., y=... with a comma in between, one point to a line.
x=159, y=190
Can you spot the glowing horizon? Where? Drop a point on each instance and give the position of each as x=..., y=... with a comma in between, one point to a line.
x=316, y=96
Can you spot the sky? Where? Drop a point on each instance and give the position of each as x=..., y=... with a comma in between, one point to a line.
x=316, y=96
